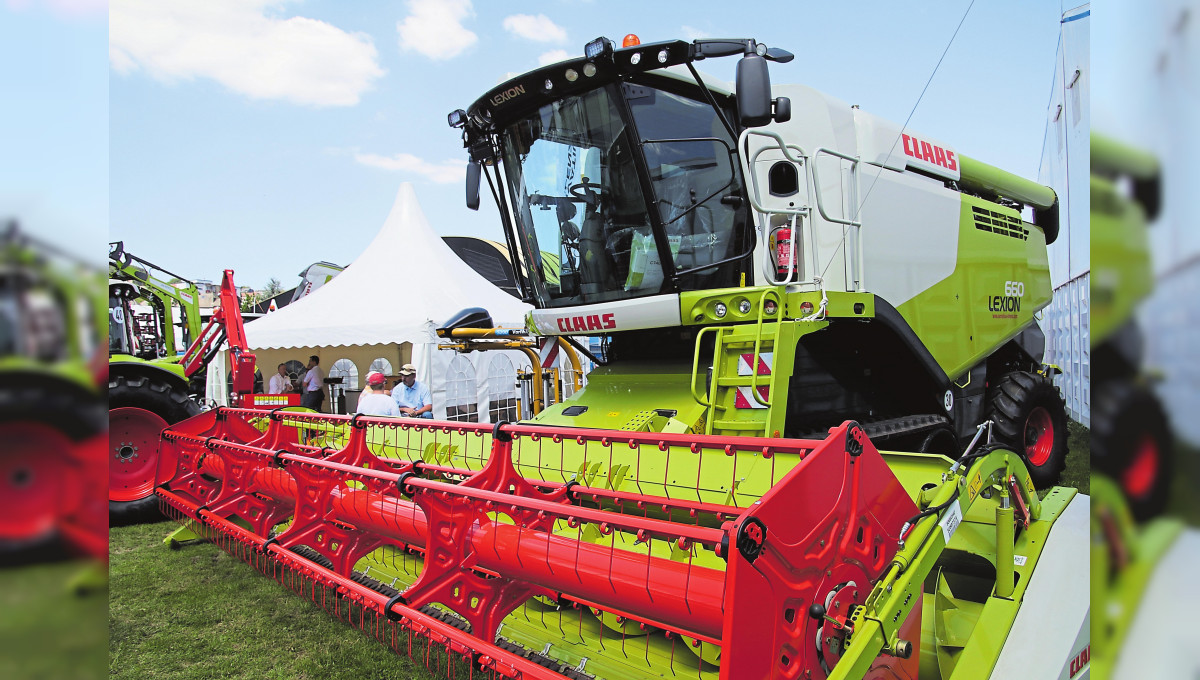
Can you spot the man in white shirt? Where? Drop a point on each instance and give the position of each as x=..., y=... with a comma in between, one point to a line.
x=374, y=401
x=314, y=385
x=280, y=382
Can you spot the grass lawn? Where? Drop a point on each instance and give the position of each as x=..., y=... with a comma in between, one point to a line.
x=1078, y=471
x=199, y=613
x=46, y=630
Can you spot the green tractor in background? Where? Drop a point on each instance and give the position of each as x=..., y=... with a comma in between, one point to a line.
x=158, y=358
x=52, y=419
x=153, y=317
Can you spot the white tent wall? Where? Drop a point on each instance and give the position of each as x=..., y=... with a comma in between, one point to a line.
x=433, y=366
x=354, y=316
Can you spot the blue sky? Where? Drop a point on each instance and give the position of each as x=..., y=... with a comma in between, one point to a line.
x=263, y=135
x=54, y=121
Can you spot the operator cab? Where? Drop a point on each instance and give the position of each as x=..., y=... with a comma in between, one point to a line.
x=620, y=180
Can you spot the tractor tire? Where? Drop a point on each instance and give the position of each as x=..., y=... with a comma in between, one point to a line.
x=1131, y=443
x=1028, y=414
x=139, y=408
x=39, y=423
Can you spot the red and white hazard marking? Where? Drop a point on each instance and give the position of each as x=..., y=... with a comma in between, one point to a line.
x=764, y=363
x=745, y=398
x=548, y=351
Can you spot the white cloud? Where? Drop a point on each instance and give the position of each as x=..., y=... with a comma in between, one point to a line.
x=693, y=33
x=241, y=45
x=552, y=57
x=434, y=28
x=537, y=28
x=446, y=172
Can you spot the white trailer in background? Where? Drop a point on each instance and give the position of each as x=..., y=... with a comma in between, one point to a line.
x=1065, y=166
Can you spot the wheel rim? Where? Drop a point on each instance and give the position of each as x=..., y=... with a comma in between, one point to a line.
x=1138, y=479
x=1039, y=437
x=133, y=452
x=34, y=473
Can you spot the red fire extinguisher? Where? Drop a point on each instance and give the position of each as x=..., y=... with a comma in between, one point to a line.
x=784, y=267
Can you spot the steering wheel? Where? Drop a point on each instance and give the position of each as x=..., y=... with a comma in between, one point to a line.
x=579, y=190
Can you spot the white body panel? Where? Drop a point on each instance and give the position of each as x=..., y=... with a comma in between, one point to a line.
x=910, y=222
x=1163, y=637
x=658, y=311
x=1054, y=611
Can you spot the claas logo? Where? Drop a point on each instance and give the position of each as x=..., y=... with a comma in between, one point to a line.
x=591, y=322
x=930, y=153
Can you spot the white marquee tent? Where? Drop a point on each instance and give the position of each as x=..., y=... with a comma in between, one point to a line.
x=367, y=305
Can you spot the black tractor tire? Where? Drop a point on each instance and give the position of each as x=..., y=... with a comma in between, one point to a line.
x=74, y=413
x=168, y=402
x=1028, y=414
x=1132, y=443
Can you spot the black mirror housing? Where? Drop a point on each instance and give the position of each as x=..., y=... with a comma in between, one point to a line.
x=753, y=91
x=474, y=169
x=783, y=110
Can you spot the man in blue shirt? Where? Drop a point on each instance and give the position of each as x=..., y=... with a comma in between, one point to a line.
x=411, y=396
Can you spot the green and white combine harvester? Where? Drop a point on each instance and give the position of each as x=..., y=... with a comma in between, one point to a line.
x=783, y=282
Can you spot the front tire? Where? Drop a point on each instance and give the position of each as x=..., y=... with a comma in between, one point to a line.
x=140, y=407
x=1028, y=414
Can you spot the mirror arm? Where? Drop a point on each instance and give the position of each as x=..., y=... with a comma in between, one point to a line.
x=712, y=101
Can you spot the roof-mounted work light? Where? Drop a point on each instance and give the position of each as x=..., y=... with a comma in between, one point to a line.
x=600, y=47
x=457, y=118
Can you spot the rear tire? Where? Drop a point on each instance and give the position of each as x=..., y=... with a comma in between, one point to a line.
x=157, y=397
x=1131, y=444
x=39, y=421
x=1028, y=414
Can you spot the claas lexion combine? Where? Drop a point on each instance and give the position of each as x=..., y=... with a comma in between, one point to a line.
x=783, y=283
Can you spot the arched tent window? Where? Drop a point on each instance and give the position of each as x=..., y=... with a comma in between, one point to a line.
x=347, y=371
x=502, y=390
x=295, y=370
x=382, y=365
x=462, y=397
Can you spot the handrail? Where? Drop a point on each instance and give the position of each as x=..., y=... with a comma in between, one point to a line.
x=748, y=162
x=754, y=385
x=696, y=368
x=816, y=180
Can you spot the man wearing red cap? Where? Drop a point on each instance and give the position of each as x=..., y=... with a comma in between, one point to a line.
x=375, y=402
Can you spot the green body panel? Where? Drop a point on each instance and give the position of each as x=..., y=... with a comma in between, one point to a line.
x=72, y=371
x=966, y=316
x=624, y=395
x=119, y=362
x=1117, y=588
x=1122, y=273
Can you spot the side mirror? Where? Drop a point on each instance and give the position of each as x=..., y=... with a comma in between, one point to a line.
x=783, y=110
x=753, y=91
x=473, y=170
